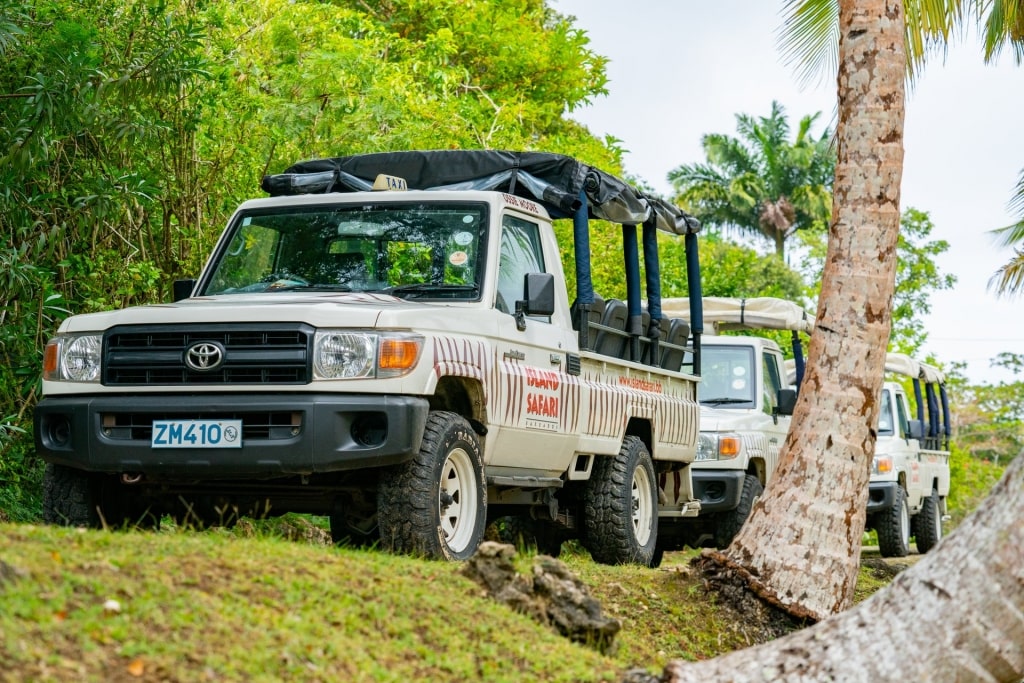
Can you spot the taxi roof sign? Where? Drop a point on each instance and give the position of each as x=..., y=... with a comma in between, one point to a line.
x=389, y=182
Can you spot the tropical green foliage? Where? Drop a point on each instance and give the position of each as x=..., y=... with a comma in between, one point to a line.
x=130, y=129
x=760, y=183
x=990, y=417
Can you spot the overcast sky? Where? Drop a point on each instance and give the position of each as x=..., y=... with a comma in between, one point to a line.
x=681, y=68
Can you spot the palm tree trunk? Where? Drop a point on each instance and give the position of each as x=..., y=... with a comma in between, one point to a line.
x=800, y=548
x=956, y=615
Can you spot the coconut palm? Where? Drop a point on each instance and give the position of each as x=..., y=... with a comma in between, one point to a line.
x=957, y=614
x=760, y=182
x=809, y=40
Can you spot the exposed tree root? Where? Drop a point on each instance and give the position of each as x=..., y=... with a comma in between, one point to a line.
x=764, y=615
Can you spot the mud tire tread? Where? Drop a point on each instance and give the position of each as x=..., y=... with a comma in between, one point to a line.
x=407, y=497
x=607, y=507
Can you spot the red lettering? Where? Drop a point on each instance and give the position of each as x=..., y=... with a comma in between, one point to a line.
x=545, y=406
x=641, y=384
x=542, y=379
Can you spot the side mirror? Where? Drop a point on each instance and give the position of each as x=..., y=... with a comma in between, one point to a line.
x=538, y=297
x=915, y=429
x=787, y=402
x=183, y=289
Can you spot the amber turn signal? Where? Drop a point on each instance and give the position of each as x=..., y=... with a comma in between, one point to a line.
x=398, y=354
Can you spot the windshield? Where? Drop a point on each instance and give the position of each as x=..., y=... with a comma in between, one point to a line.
x=422, y=251
x=727, y=377
x=885, y=425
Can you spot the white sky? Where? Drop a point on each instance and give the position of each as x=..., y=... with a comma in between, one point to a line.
x=681, y=68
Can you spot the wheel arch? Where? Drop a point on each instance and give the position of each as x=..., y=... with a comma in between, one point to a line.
x=462, y=395
x=640, y=427
x=759, y=468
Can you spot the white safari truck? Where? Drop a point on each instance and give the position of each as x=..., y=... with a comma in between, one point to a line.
x=910, y=472
x=388, y=340
x=746, y=405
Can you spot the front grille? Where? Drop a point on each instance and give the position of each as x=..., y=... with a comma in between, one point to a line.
x=267, y=353
x=256, y=424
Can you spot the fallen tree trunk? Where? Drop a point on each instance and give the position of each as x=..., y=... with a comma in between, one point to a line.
x=956, y=615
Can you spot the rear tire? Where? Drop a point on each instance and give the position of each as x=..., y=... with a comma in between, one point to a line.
x=355, y=524
x=436, y=504
x=927, y=524
x=621, y=507
x=894, y=527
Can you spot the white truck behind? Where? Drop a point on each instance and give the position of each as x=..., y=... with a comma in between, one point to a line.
x=404, y=361
x=910, y=471
x=746, y=405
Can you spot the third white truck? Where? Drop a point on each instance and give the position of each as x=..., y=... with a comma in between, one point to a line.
x=910, y=472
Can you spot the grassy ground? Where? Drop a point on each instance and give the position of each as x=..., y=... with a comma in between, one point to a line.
x=182, y=606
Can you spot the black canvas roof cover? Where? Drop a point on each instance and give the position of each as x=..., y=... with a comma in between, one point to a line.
x=552, y=180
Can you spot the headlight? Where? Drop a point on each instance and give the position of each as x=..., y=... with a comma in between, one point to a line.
x=707, y=447
x=73, y=358
x=718, y=446
x=344, y=354
x=882, y=464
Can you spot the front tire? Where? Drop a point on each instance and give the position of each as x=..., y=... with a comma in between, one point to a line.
x=729, y=523
x=894, y=527
x=436, y=504
x=927, y=523
x=620, y=507
x=70, y=497
x=73, y=497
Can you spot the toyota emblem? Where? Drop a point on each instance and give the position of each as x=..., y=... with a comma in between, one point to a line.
x=204, y=356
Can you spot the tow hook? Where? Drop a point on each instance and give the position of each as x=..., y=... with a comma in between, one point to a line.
x=131, y=477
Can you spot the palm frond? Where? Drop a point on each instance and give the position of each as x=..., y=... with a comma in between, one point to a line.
x=1004, y=27
x=1009, y=280
x=809, y=39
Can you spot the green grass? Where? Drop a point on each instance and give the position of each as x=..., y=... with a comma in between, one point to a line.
x=223, y=606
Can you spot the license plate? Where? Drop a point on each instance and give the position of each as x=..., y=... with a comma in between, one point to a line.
x=197, y=434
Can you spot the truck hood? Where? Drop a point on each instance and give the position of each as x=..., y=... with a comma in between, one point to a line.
x=732, y=419
x=324, y=309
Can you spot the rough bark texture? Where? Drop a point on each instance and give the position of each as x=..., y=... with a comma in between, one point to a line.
x=800, y=548
x=956, y=615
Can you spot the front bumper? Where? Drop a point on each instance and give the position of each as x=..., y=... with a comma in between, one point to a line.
x=282, y=434
x=717, y=490
x=881, y=496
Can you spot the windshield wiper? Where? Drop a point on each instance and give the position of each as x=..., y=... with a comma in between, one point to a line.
x=313, y=287
x=428, y=288
x=724, y=401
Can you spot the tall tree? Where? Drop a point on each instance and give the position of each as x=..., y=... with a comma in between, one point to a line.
x=809, y=37
x=800, y=548
x=760, y=183
x=917, y=276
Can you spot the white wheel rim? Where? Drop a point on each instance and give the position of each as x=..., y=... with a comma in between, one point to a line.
x=642, y=506
x=905, y=525
x=938, y=523
x=458, y=485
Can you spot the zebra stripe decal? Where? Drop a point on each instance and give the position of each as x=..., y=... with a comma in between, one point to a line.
x=520, y=395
